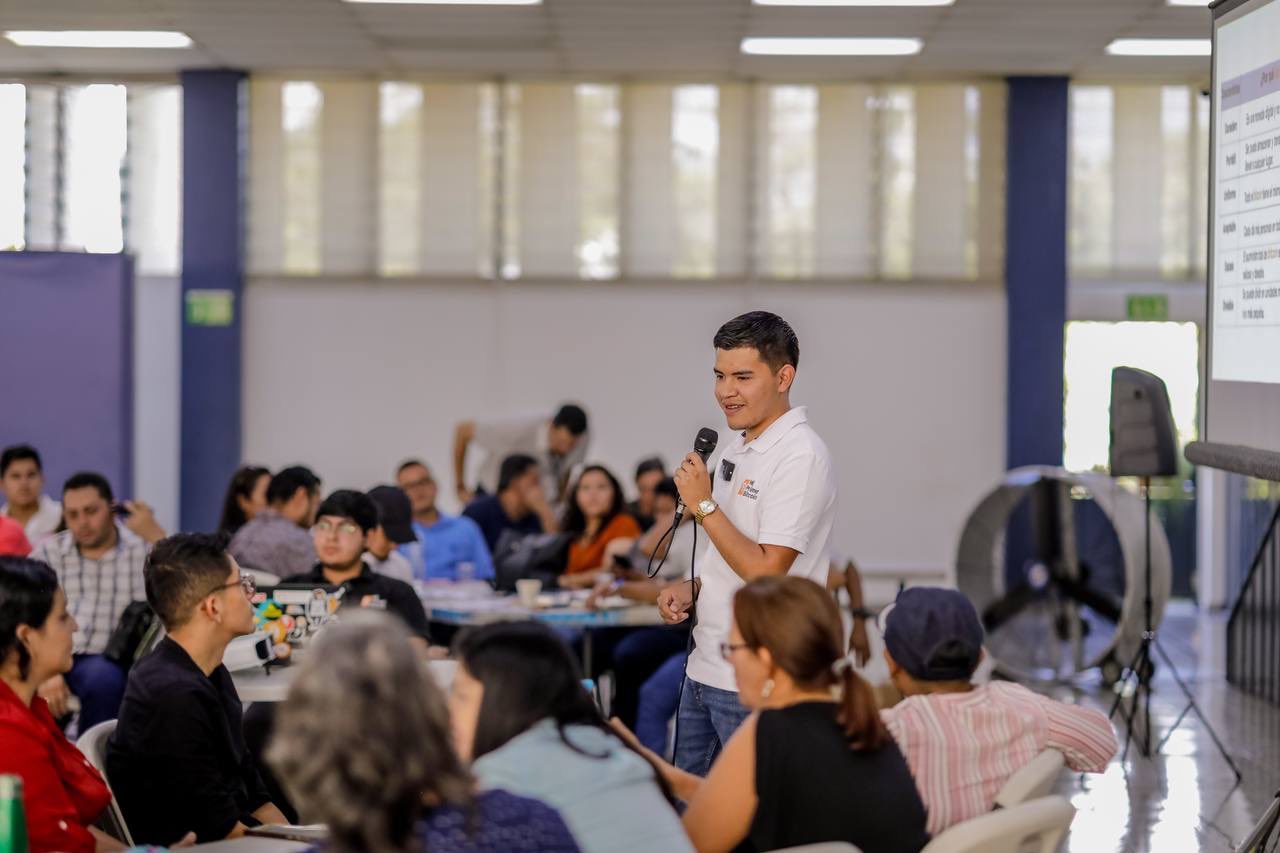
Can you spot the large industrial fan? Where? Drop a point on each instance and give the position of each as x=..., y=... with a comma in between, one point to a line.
x=1054, y=562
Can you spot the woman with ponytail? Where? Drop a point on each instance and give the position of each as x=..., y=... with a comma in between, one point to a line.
x=813, y=763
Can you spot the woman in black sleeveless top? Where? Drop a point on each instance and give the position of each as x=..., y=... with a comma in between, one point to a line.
x=814, y=763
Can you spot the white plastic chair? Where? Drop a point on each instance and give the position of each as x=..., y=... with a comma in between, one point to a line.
x=1038, y=825
x=1033, y=781
x=824, y=847
x=93, y=744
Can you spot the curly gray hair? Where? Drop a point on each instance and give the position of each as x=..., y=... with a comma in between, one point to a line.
x=363, y=741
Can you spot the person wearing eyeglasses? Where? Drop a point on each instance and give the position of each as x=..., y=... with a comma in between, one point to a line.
x=343, y=523
x=177, y=760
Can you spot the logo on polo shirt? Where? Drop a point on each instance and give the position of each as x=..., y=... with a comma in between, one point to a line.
x=748, y=490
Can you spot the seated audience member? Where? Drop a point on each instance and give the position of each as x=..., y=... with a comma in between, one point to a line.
x=62, y=793
x=520, y=503
x=343, y=522
x=13, y=539
x=445, y=542
x=363, y=746
x=99, y=563
x=805, y=767
x=246, y=497
x=276, y=539
x=177, y=760
x=649, y=473
x=522, y=718
x=559, y=445
x=22, y=480
x=596, y=515
x=963, y=742
x=395, y=528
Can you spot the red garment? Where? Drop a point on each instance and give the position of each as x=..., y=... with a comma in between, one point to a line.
x=585, y=558
x=62, y=792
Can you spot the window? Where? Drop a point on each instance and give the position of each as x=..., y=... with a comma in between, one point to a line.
x=301, y=106
x=897, y=181
x=1090, y=164
x=791, y=188
x=13, y=129
x=598, y=125
x=399, y=177
x=95, y=142
x=695, y=144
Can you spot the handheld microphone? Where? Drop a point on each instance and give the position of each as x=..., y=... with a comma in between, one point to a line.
x=703, y=445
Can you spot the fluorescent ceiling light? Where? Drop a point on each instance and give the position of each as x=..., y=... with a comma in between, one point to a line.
x=455, y=2
x=856, y=2
x=1201, y=3
x=1160, y=47
x=98, y=38
x=831, y=46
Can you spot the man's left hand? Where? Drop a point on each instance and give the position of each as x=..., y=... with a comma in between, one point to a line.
x=693, y=481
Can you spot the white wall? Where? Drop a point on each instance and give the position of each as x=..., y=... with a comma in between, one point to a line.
x=906, y=382
x=157, y=402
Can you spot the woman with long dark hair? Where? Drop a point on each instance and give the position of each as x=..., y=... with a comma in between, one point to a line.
x=63, y=794
x=246, y=497
x=813, y=763
x=596, y=515
x=523, y=719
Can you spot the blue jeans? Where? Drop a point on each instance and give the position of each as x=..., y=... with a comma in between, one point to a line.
x=659, y=699
x=99, y=685
x=707, y=718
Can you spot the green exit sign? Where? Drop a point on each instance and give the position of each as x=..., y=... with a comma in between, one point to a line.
x=1150, y=307
x=210, y=307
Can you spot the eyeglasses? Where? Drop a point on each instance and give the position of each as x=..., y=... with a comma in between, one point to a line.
x=324, y=527
x=727, y=649
x=245, y=582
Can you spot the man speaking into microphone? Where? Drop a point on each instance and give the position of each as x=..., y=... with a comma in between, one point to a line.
x=768, y=507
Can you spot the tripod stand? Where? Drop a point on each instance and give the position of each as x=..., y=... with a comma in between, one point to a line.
x=1142, y=669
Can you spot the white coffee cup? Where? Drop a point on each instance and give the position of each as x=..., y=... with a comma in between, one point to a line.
x=527, y=590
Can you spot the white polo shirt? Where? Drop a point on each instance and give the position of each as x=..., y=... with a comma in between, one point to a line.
x=782, y=492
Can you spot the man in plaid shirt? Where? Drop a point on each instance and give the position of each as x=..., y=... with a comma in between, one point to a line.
x=99, y=565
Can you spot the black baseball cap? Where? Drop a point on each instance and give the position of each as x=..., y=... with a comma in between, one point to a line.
x=395, y=513
x=934, y=634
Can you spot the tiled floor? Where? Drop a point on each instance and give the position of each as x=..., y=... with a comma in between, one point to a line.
x=1185, y=799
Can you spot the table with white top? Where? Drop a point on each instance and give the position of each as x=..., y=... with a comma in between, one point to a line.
x=272, y=684
x=470, y=603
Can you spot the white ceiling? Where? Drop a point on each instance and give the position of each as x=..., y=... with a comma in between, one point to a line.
x=688, y=39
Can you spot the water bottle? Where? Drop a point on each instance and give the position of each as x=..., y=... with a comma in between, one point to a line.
x=465, y=572
x=13, y=820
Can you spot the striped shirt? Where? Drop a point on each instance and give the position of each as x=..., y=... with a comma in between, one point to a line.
x=98, y=590
x=963, y=747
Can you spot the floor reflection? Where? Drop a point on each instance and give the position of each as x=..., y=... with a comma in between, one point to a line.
x=1187, y=798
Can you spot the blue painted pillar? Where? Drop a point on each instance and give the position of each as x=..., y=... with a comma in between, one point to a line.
x=1036, y=267
x=212, y=291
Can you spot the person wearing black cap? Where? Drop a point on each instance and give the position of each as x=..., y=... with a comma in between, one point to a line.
x=963, y=741
x=395, y=528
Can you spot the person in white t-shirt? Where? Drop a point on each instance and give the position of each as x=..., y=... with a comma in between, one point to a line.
x=22, y=480
x=767, y=503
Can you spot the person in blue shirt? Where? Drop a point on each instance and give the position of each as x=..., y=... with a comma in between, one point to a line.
x=446, y=544
x=520, y=504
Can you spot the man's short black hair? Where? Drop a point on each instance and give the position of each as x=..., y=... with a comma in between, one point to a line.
x=348, y=503
x=646, y=466
x=766, y=333
x=286, y=483
x=409, y=463
x=183, y=569
x=514, y=467
x=667, y=487
x=17, y=452
x=89, y=480
x=571, y=417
